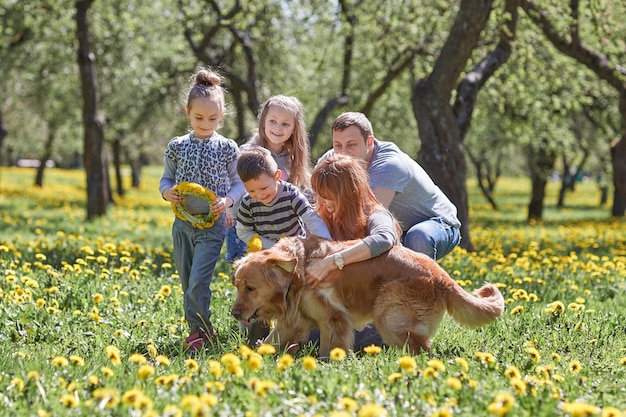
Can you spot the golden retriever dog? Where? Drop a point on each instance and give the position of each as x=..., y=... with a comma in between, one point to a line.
x=404, y=293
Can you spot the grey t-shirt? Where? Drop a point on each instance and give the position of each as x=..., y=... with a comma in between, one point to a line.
x=417, y=197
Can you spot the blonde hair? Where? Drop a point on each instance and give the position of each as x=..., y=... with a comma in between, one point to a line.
x=343, y=179
x=206, y=83
x=297, y=146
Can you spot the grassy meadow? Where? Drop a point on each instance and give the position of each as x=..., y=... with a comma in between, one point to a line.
x=92, y=324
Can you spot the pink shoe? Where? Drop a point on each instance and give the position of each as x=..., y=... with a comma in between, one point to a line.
x=197, y=341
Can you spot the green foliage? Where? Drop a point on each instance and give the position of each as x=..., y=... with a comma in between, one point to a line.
x=77, y=297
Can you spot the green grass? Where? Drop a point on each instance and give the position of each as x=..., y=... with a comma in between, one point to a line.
x=71, y=290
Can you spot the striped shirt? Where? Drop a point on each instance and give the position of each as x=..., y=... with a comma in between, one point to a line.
x=289, y=214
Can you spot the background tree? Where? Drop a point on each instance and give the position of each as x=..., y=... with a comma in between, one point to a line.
x=599, y=24
x=94, y=156
x=442, y=127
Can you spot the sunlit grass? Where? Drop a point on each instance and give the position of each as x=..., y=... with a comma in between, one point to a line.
x=92, y=322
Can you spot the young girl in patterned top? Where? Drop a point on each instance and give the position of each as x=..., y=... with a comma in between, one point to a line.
x=205, y=157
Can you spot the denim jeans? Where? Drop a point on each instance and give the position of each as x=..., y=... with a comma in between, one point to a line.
x=196, y=252
x=235, y=247
x=432, y=237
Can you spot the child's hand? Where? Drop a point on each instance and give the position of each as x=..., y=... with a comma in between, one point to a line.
x=172, y=196
x=230, y=219
x=220, y=204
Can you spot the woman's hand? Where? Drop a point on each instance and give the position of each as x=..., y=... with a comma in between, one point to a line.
x=318, y=269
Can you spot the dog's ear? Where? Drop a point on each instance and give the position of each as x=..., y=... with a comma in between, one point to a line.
x=287, y=264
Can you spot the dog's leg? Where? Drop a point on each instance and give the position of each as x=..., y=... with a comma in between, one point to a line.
x=287, y=338
x=336, y=332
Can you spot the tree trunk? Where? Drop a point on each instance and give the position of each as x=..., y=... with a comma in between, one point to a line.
x=45, y=157
x=94, y=156
x=535, y=208
x=117, y=165
x=618, y=158
x=541, y=163
x=442, y=127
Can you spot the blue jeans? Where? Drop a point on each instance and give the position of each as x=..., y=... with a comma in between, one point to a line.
x=235, y=247
x=433, y=237
x=196, y=252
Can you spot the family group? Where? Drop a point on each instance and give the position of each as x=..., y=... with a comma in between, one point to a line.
x=363, y=189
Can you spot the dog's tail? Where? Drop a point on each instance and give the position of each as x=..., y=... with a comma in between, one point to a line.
x=475, y=310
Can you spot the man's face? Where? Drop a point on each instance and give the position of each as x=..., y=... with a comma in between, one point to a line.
x=350, y=141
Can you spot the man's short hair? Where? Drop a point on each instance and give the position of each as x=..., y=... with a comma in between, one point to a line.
x=360, y=120
x=255, y=161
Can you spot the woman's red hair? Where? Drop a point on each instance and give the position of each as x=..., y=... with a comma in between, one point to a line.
x=343, y=179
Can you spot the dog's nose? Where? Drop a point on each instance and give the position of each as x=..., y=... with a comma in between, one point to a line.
x=236, y=312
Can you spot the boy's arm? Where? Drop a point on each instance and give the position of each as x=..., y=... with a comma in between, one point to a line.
x=245, y=228
x=309, y=216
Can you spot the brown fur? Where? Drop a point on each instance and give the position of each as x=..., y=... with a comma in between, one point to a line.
x=403, y=292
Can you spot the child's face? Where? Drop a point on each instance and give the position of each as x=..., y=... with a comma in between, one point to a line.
x=279, y=126
x=264, y=188
x=204, y=115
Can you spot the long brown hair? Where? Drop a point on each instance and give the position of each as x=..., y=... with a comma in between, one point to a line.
x=343, y=179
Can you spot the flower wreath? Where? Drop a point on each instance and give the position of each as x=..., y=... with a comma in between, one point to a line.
x=200, y=221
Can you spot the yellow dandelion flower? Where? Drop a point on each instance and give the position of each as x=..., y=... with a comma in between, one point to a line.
x=575, y=366
x=255, y=244
x=230, y=359
x=454, y=383
x=430, y=372
x=33, y=375
x=163, y=360
x=106, y=371
x=309, y=363
x=485, y=357
x=245, y=351
x=611, y=412
x=209, y=399
x=437, y=364
x=215, y=368
x=394, y=376
x=18, y=383
x=60, y=361
x=512, y=372
x=137, y=358
x=518, y=385
x=556, y=308
x=77, y=360
x=266, y=349
x=372, y=410
x=97, y=298
x=172, y=411
x=517, y=310
x=502, y=404
x=556, y=356
x=337, y=354
x=285, y=361
x=622, y=361
x=348, y=403
x=580, y=409
x=69, y=400
x=372, y=349
x=94, y=380
x=462, y=362
x=145, y=371
x=192, y=365
x=236, y=370
x=340, y=413
x=106, y=397
x=254, y=361
x=114, y=354
x=534, y=354
x=152, y=350
x=407, y=363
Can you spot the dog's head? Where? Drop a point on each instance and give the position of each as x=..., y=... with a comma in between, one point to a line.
x=263, y=280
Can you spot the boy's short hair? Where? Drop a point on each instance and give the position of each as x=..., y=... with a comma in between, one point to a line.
x=254, y=161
